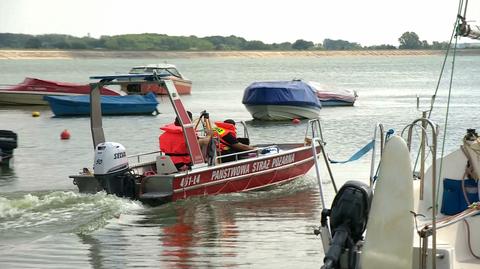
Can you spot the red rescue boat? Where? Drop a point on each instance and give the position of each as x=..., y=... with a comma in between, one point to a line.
x=157, y=180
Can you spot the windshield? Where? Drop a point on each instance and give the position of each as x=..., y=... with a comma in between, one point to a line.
x=137, y=70
x=174, y=72
x=160, y=71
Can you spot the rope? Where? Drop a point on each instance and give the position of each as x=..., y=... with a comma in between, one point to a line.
x=469, y=243
x=358, y=154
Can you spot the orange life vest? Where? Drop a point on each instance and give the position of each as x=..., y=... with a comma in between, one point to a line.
x=221, y=130
x=172, y=143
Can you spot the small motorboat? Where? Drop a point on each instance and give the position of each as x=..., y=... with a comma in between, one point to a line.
x=153, y=178
x=32, y=90
x=281, y=100
x=111, y=105
x=334, y=97
x=8, y=142
x=166, y=71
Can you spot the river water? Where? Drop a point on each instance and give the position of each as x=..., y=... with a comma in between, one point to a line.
x=46, y=223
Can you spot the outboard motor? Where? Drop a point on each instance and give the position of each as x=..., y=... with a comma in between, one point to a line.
x=8, y=142
x=112, y=171
x=348, y=220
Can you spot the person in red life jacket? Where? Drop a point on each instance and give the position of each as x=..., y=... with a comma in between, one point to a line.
x=228, y=143
x=173, y=144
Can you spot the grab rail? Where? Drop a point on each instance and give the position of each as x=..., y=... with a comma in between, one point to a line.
x=433, y=232
x=143, y=154
x=382, y=144
x=316, y=127
x=256, y=151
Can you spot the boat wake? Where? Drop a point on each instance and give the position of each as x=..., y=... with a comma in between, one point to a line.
x=59, y=211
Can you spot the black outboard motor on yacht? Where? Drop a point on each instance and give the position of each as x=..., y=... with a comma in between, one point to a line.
x=8, y=142
x=348, y=220
x=112, y=171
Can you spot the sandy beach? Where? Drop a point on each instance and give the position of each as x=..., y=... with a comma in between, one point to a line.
x=98, y=54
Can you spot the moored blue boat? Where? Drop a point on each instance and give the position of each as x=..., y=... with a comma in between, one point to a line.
x=111, y=105
x=281, y=100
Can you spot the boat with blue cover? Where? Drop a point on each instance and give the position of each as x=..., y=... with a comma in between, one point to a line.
x=281, y=100
x=111, y=105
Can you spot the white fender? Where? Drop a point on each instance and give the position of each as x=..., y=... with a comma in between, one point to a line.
x=389, y=236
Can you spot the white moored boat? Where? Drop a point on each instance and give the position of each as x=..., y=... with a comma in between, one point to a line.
x=32, y=91
x=281, y=100
x=329, y=96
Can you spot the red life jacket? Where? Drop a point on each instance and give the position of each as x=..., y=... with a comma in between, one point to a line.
x=221, y=130
x=172, y=143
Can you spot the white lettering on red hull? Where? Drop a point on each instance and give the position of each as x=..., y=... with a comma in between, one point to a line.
x=231, y=172
x=255, y=167
x=283, y=160
x=190, y=181
x=261, y=165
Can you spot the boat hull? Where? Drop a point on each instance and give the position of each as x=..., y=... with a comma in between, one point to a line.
x=32, y=91
x=334, y=97
x=328, y=103
x=21, y=98
x=282, y=112
x=183, y=87
x=245, y=175
x=240, y=176
x=26, y=98
x=113, y=105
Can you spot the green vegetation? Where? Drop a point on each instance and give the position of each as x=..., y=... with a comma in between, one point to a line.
x=159, y=42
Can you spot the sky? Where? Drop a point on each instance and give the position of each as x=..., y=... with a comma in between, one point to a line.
x=368, y=22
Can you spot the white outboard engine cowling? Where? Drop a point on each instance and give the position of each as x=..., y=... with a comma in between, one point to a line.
x=110, y=158
x=112, y=171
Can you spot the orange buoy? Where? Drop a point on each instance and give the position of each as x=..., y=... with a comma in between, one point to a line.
x=65, y=135
x=295, y=121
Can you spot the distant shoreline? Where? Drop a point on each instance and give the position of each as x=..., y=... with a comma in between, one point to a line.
x=105, y=54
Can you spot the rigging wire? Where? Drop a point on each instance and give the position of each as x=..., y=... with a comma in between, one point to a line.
x=461, y=7
x=465, y=10
x=442, y=71
x=446, y=116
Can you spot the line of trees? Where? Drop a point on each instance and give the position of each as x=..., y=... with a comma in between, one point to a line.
x=160, y=42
